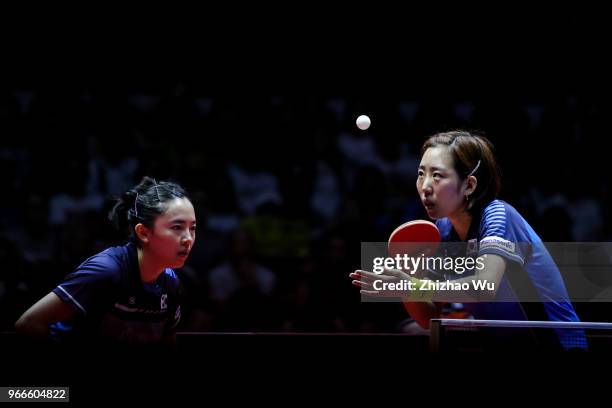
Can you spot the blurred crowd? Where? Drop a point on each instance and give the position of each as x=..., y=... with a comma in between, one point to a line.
x=285, y=189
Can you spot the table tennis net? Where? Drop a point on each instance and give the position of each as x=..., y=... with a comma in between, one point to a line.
x=458, y=335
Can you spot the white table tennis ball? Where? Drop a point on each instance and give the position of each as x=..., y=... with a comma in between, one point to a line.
x=363, y=122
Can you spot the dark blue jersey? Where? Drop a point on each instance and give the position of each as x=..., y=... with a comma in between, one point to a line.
x=502, y=231
x=112, y=304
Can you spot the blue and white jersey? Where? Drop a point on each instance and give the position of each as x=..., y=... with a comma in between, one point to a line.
x=113, y=305
x=503, y=231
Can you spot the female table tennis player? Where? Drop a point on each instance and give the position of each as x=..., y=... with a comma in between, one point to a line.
x=458, y=183
x=125, y=295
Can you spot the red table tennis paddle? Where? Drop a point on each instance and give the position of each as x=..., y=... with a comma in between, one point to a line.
x=414, y=238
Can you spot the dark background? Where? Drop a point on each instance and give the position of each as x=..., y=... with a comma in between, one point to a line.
x=284, y=181
x=233, y=87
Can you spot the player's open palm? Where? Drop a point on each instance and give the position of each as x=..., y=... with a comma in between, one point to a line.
x=390, y=283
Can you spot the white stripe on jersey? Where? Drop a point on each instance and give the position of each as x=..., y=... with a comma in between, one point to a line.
x=73, y=299
x=495, y=219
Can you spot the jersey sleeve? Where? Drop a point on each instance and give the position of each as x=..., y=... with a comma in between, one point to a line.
x=89, y=286
x=500, y=234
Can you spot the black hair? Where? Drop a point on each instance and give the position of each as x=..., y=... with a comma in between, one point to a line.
x=473, y=154
x=142, y=204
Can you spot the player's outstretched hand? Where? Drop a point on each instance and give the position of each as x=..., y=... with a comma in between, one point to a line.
x=391, y=283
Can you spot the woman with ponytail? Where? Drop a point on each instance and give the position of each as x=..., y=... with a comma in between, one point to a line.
x=125, y=294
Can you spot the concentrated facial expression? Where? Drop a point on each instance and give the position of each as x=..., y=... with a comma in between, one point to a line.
x=174, y=234
x=438, y=183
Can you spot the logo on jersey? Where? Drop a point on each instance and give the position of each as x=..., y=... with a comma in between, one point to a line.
x=162, y=302
x=132, y=300
x=498, y=243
